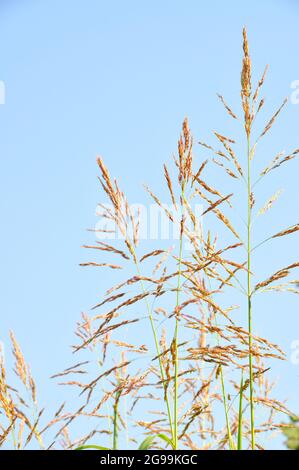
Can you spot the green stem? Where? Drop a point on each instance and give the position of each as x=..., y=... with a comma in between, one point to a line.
x=176, y=364
x=240, y=425
x=229, y=434
x=13, y=434
x=158, y=351
x=249, y=307
x=115, y=421
x=223, y=391
x=176, y=331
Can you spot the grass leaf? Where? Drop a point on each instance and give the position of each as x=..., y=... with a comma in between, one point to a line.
x=146, y=444
x=240, y=423
x=91, y=446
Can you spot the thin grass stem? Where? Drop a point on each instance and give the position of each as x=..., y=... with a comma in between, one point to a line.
x=115, y=421
x=249, y=304
x=158, y=351
x=240, y=417
x=229, y=434
x=176, y=332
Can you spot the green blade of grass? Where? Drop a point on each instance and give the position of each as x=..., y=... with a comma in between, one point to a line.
x=240, y=423
x=148, y=441
x=91, y=446
x=229, y=434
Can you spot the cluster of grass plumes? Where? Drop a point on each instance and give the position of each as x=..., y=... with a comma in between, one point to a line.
x=200, y=372
x=20, y=413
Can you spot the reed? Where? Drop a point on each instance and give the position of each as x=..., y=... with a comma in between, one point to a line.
x=165, y=389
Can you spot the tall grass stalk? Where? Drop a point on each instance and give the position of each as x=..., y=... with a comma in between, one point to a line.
x=158, y=352
x=115, y=420
x=240, y=417
x=249, y=304
x=224, y=399
x=176, y=333
x=229, y=434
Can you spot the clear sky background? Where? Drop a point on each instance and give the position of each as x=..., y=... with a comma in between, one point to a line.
x=117, y=78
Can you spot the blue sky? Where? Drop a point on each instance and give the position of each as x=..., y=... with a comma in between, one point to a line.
x=117, y=78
